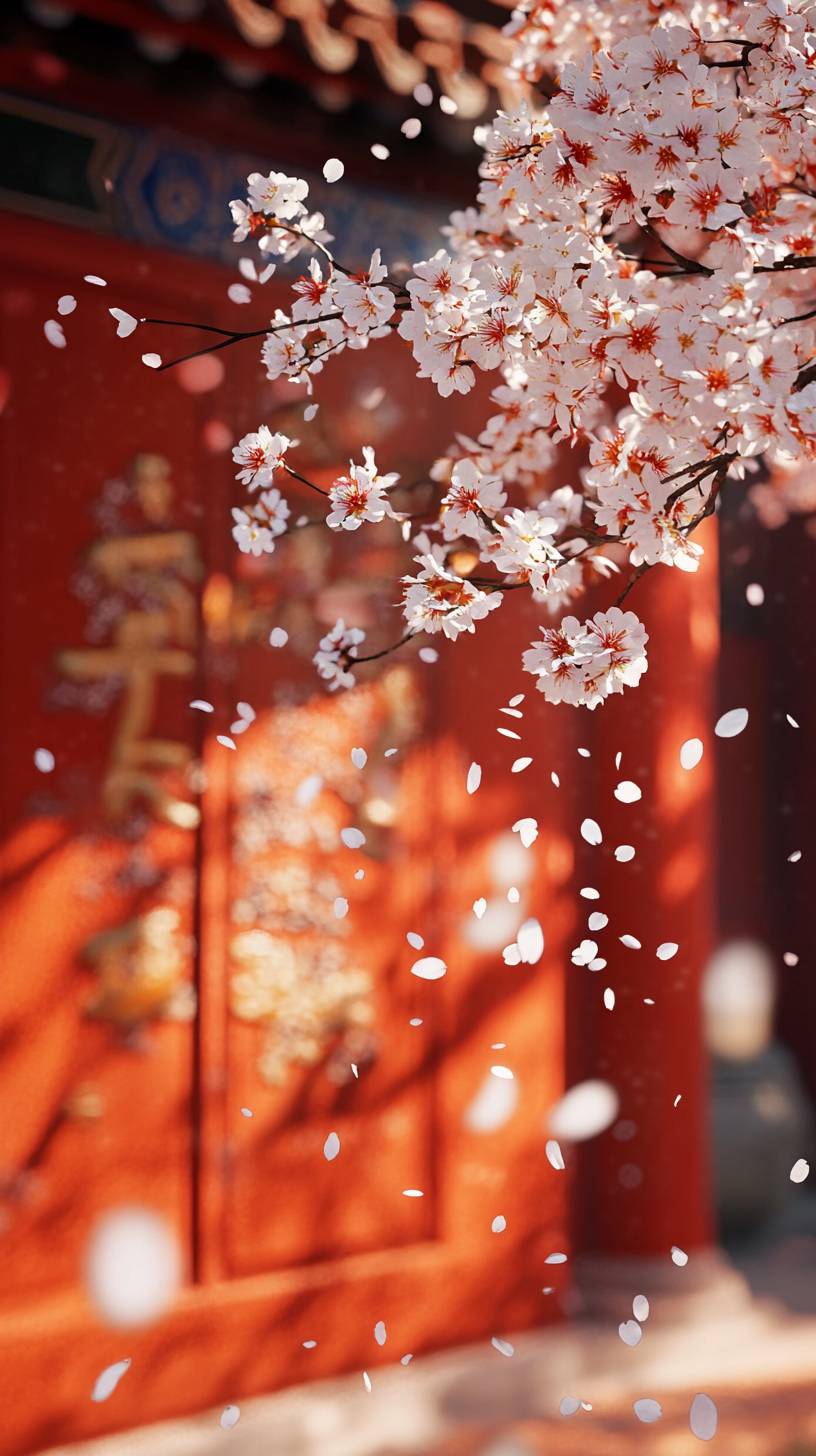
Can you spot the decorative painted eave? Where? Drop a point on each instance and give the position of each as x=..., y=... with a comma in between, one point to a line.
x=460, y=55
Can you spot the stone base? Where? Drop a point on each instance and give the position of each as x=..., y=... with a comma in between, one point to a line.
x=605, y=1287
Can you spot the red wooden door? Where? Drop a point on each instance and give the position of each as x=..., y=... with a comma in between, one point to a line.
x=173, y=959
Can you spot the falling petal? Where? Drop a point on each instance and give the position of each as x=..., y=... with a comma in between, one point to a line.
x=352, y=838
x=648, y=1411
x=55, y=334
x=531, y=942
x=333, y=169
x=106, y=1383
x=503, y=1346
x=380, y=1332
x=799, y=1171
x=474, y=777
x=527, y=830
x=493, y=1105
x=230, y=1416
x=584, y=1111
x=703, y=1418
x=555, y=1157
x=731, y=723
x=690, y=753
x=331, y=1147
x=125, y=322
x=591, y=832
x=627, y=792
x=429, y=968
x=630, y=1332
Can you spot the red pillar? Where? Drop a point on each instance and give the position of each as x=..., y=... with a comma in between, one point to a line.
x=643, y=1186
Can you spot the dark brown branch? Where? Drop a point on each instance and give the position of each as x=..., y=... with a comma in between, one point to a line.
x=231, y=336
x=302, y=478
x=384, y=651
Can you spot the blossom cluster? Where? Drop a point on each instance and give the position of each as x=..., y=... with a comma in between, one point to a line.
x=635, y=277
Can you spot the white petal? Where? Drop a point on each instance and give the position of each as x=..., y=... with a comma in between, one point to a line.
x=331, y=1147
x=531, y=942
x=527, y=830
x=429, y=968
x=627, y=792
x=555, y=1157
x=591, y=832
x=630, y=1332
x=503, y=1346
x=474, y=777
x=352, y=838
x=690, y=753
x=125, y=322
x=380, y=1332
x=55, y=334
x=665, y=951
x=493, y=1105
x=584, y=1111
x=648, y=1411
x=703, y=1418
x=799, y=1171
x=230, y=1416
x=106, y=1383
x=333, y=169
x=731, y=723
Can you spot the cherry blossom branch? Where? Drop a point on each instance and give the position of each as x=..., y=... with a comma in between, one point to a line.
x=302, y=478
x=230, y=336
x=350, y=660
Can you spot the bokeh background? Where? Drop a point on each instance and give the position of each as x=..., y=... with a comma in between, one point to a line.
x=183, y=1018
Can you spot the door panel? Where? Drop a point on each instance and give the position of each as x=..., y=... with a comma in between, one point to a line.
x=171, y=949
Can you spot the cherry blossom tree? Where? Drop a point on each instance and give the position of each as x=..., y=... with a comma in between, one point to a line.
x=634, y=279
